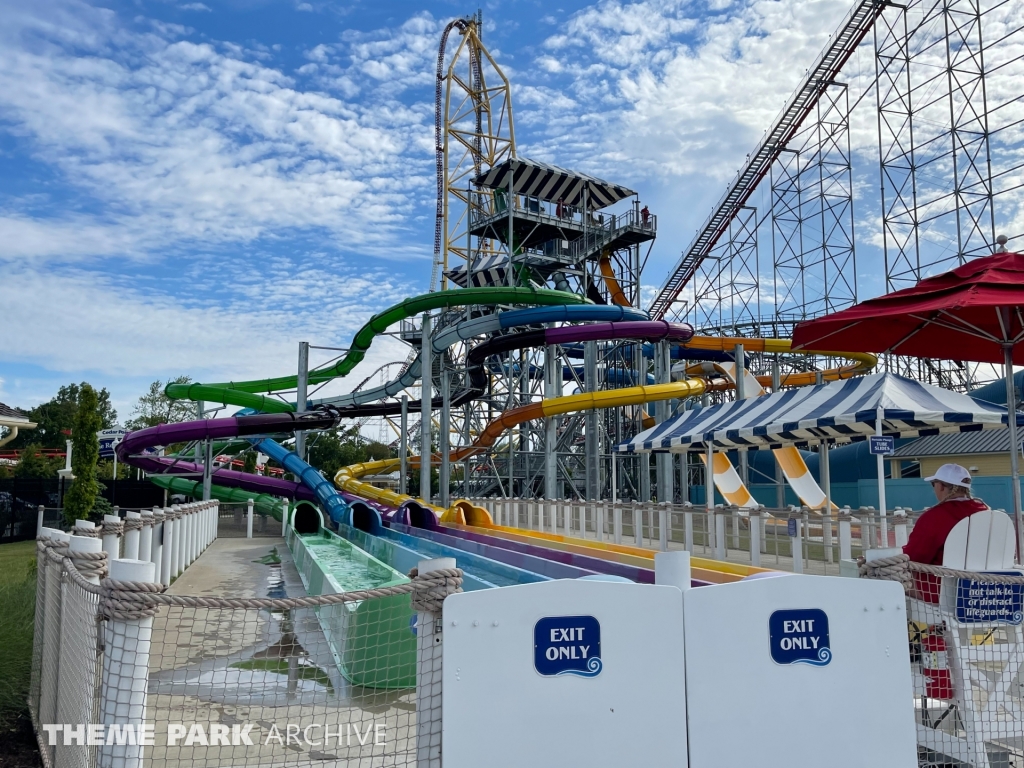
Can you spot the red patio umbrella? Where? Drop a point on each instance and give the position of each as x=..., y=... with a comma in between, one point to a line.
x=971, y=313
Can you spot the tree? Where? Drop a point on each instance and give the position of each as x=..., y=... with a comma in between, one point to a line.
x=250, y=463
x=31, y=464
x=332, y=450
x=105, y=470
x=81, y=498
x=56, y=418
x=155, y=407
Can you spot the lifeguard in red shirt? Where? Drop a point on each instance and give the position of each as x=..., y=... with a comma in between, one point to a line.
x=952, y=486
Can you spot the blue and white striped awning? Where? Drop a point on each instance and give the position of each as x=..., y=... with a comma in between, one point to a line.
x=841, y=411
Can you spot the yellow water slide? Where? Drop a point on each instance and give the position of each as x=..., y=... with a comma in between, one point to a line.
x=348, y=478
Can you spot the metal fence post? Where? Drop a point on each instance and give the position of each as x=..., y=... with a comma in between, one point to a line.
x=132, y=533
x=617, y=522
x=249, y=506
x=157, y=549
x=167, y=556
x=78, y=643
x=688, y=526
x=125, y=678
x=845, y=535
x=663, y=526
x=735, y=521
x=40, y=512
x=638, y=523
x=805, y=530
x=899, y=524
x=719, y=520
x=49, y=671
x=867, y=528
x=429, y=636
x=755, y=537
x=111, y=532
x=795, y=540
x=826, y=534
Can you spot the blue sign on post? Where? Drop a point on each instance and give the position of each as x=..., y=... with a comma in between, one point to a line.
x=979, y=602
x=567, y=645
x=799, y=637
x=791, y=527
x=882, y=444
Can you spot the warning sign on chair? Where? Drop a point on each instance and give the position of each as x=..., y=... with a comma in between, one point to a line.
x=982, y=602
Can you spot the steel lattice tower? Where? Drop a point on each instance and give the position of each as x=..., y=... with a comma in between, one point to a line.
x=941, y=178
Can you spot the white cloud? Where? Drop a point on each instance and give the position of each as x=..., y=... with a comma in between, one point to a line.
x=194, y=7
x=674, y=89
x=107, y=325
x=198, y=142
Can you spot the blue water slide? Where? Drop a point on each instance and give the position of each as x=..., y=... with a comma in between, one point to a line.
x=335, y=506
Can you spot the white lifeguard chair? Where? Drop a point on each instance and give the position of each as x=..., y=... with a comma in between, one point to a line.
x=984, y=648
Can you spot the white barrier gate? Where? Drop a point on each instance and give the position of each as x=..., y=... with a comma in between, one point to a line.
x=800, y=671
x=564, y=673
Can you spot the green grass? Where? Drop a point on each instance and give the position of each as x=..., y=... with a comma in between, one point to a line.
x=17, y=617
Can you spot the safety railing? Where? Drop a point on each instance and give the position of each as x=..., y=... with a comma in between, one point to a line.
x=793, y=539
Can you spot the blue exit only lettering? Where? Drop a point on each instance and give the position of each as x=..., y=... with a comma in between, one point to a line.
x=567, y=645
x=799, y=637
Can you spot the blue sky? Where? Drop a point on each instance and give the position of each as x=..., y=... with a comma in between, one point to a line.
x=194, y=187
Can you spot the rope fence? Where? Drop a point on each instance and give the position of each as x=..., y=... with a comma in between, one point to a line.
x=127, y=674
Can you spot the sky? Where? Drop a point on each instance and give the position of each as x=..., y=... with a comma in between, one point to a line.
x=195, y=187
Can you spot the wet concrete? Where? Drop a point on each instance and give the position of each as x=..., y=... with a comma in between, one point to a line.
x=262, y=668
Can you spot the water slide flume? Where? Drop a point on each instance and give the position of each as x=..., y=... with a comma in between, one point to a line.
x=246, y=393
x=348, y=478
x=130, y=450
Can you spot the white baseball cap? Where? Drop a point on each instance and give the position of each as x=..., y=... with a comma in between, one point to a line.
x=951, y=474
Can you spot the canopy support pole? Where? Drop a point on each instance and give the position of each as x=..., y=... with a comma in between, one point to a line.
x=1011, y=422
x=881, y=483
x=709, y=490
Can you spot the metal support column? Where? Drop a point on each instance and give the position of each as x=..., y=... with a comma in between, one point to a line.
x=780, y=480
x=662, y=411
x=444, y=441
x=427, y=363
x=301, y=395
x=551, y=381
x=593, y=424
x=403, y=449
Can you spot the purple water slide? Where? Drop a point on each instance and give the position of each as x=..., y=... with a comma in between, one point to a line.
x=651, y=330
x=596, y=564
x=130, y=449
x=538, y=562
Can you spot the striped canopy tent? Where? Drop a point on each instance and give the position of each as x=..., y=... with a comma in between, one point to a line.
x=489, y=269
x=841, y=411
x=553, y=184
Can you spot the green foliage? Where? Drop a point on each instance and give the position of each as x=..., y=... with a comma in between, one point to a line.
x=155, y=408
x=17, y=607
x=80, y=499
x=32, y=465
x=413, y=484
x=56, y=418
x=105, y=470
x=330, y=451
x=250, y=463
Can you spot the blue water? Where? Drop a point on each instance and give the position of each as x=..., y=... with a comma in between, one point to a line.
x=403, y=551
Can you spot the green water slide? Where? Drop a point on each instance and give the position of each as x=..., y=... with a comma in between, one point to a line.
x=247, y=393
x=264, y=503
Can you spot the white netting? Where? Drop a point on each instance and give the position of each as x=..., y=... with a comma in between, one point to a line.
x=213, y=681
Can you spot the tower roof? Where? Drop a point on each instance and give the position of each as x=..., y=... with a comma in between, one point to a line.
x=553, y=184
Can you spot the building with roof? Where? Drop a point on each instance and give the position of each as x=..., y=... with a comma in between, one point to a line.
x=985, y=453
x=14, y=420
